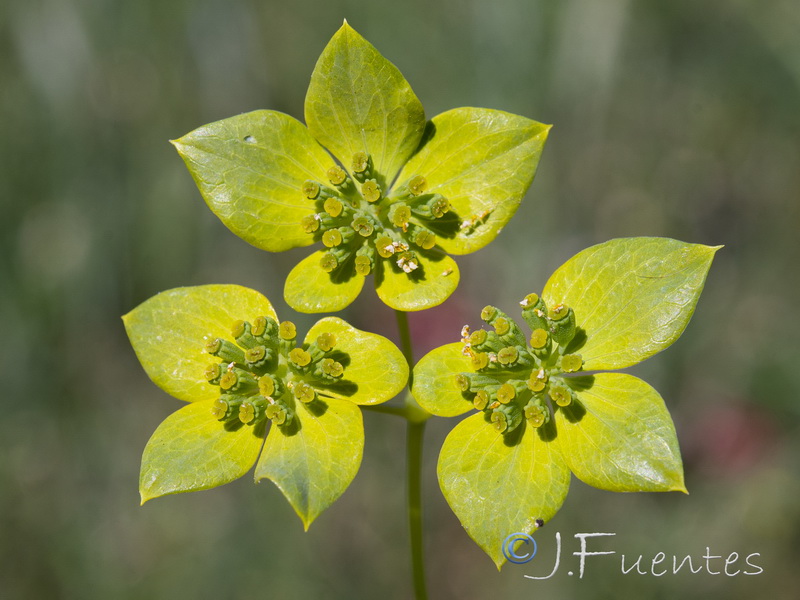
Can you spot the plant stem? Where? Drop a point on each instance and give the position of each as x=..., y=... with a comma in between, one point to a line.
x=415, y=433
x=405, y=337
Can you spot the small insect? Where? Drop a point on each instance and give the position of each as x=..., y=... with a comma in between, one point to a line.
x=447, y=272
x=539, y=523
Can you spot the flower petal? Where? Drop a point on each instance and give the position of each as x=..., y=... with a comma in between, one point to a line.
x=250, y=170
x=192, y=451
x=434, y=385
x=376, y=367
x=358, y=101
x=429, y=285
x=309, y=289
x=314, y=464
x=496, y=487
x=633, y=297
x=619, y=436
x=168, y=333
x=483, y=161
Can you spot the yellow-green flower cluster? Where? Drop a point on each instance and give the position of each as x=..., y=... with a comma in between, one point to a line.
x=517, y=378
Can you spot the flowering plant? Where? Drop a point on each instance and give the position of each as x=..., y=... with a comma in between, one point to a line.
x=257, y=395
x=545, y=404
x=395, y=196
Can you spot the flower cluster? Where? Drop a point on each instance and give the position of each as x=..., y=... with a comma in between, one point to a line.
x=513, y=378
x=264, y=373
x=552, y=406
x=387, y=194
x=360, y=225
x=257, y=394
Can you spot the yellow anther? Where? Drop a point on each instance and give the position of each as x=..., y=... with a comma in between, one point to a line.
x=529, y=300
x=385, y=246
x=571, y=362
x=219, y=409
x=304, y=392
x=360, y=162
x=480, y=360
x=337, y=175
x=331, y=367
x=560, y=395
x=501, y=326
x=536, y=417
x=537, y=381
x=417, y=185
x=310, y=189
x=488, y=313
x=300, y=357
x=363, y=265
x=425, y=239
x=277, y=414
x=328, y=262
x=506, y=393
x=266, y=385
x=478, y=337
x=333, y=207
x=255, y=355
x=558, y=312
x=287, y=330
x=214, y=371
x=538, y=339
x=481, y=400
x=462, y=382
x=332, y=238
x=499, y=421
x=371, y=191
x=440, y=207
x=228, y=380
x=247, y=412
x=259, y=326
x=507, y=355
x=362, y=226
x=310, y=223
x=326, y=341
x=399, y=215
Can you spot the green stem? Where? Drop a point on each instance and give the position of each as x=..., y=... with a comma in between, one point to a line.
x=415, y=433
x=405, y=337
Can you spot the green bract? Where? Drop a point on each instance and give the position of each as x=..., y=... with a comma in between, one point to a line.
x=221, y=348
x=544, y=409
x=393, y=197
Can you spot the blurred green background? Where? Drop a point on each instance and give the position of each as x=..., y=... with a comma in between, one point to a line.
x=675, y=119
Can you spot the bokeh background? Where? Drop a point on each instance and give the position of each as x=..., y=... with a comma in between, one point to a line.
x=674, y=119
